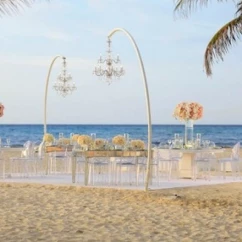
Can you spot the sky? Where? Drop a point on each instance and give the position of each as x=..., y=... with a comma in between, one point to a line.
x=171, y=47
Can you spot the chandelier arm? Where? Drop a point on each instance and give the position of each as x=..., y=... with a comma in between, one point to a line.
x=116, y=62
x=101, y=61
x=147, y=181
x=112, y=60
x=46, y=89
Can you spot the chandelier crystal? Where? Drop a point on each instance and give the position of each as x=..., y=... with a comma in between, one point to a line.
x=64, y=84
x=109, y=68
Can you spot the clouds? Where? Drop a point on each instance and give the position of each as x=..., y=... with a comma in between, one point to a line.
x=172, y=51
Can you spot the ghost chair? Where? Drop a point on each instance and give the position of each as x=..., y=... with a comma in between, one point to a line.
x=2, y=165
x=59, y=162
x=202, y=165
x=168, y=163
x=234, y=161
x=99, y=169
x=25, y=164
x=126, y=170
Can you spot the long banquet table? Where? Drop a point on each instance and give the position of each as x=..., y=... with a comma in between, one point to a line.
x=101, y=153
x=185, y=165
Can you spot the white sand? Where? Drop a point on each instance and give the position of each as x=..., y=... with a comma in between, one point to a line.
x=42, y=212
x=65, y=213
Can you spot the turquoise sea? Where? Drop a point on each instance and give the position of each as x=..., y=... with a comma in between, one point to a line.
x=222, y=135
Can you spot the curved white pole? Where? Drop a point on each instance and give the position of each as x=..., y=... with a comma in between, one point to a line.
x=46, y=89
x=147, y=101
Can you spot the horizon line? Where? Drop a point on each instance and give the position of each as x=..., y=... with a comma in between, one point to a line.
x=110, y=124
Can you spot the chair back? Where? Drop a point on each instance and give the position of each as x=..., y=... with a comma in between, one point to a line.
x=163, y=154
x=155, y=152
x=41, y=150
x=1, y=155
x=175, y=154
x=236, y=152
x=205, y=156
x=29, y=149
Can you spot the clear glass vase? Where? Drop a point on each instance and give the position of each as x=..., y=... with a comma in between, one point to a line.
x=189, y=133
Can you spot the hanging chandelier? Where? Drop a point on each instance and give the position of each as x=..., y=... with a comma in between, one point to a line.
x=109, y=68
x=64, y=84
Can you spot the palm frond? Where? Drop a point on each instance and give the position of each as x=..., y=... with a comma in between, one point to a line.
x=239, y=6
x=7, y=7
x=221, y=42
x=185, y=7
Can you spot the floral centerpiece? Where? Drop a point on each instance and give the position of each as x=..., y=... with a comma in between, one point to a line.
x=1, y=110
x=75, y=137
x=99, y=144
x=48, y=138
x=188, y=112
x=84, y=140
x=118, y=140
x=137, y=144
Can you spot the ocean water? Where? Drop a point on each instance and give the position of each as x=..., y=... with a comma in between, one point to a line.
x=222, y=135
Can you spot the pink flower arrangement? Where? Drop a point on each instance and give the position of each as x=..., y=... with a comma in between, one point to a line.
x=188, y=110
x=1, y=110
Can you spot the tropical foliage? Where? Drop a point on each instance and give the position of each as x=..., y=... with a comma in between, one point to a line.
x=12, y=6
x=225, y=37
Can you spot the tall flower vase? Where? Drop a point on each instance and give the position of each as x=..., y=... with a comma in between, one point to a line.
x=189, y=133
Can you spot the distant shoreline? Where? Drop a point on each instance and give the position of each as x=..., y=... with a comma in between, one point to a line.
x=181, y=124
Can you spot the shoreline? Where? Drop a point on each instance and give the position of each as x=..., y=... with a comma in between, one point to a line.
x=224, y=135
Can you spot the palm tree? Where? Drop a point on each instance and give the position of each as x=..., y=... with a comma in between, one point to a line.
x=220, y=43
x=12, y=6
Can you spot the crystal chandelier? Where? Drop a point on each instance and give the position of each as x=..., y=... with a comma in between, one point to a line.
x=64, y=84
x=106, y=67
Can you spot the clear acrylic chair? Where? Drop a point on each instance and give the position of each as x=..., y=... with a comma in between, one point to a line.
x=175, y=157
x=169, y=163
x=80, y=161
x=2, y=165
x=24, y=165
x=234, y=161
x=142, y=168
x=99, y=170
x=59, y=162
x=80, y=167
x=160, y=163
x=126, y=170
x=40, y=159
x=202, y=164
x=165, y=162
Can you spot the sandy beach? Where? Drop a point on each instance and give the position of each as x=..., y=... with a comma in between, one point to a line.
x=117, y=124
x=38, y=212
x=67, y=213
